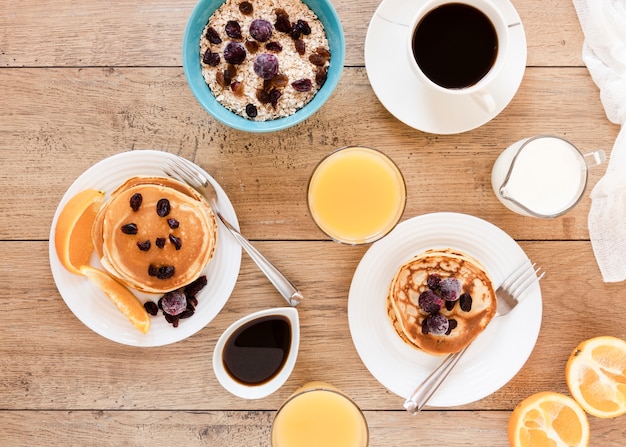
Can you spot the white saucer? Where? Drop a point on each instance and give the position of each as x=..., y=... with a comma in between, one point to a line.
x=95, y=310
x=496, y=355
x=407, y=98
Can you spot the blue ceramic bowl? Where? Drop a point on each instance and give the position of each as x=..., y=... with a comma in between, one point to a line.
x=193, y=70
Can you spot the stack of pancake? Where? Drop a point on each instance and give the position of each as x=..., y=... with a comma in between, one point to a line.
x=411, y=280
x=155, y=234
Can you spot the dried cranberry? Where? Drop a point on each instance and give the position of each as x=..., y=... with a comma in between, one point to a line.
x=160, y=242
x=135, y=201
x=210, y=58
x=173, y=223
x=213, y=36
x=163, y=207
x=245, y=8
x=130, y=228
x=175, y=241
x=144, y=245
x=233, y=30
x=302, y=85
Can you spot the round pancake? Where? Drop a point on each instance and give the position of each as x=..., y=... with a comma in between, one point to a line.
x=171, y=255
x=407, y=317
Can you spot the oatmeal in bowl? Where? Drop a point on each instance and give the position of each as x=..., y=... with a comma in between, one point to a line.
x=263, y=65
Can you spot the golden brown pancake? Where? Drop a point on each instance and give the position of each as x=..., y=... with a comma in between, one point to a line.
x=160, y=245
x=407, y=317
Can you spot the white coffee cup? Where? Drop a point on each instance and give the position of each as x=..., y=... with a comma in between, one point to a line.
x=542, y=176
x=460, y=60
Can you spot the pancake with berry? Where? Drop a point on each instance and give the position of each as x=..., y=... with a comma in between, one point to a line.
x=155, y=234
x=440, y=300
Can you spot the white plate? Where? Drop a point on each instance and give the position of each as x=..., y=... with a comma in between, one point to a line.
x=407, y=98
x=95, y=310
x=496, y=355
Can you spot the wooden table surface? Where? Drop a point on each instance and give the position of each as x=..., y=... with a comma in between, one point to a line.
x=83, y=80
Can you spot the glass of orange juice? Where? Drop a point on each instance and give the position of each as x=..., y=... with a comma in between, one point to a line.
x=356, y=195
x=318, y=414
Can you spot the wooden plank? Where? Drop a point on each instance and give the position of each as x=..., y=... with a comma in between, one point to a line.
x=44, y=344
x=58, y=122
x=242, y=428
x=149, y=33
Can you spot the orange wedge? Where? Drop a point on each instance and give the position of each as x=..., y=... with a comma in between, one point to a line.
x=72, y=235
x=596, y=376
x=548, y=419
x=126, y=302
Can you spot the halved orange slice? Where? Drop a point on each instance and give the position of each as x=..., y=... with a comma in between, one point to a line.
x=596, y=376
x=72, y=235
x=548, y=419
x=124, y=300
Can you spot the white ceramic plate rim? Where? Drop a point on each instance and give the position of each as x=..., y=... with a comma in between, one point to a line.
x=95, y=310
x=407, y=98
x=496, y=355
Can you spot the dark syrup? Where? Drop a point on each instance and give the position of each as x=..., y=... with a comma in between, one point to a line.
x=257, y=351
x=455, y=45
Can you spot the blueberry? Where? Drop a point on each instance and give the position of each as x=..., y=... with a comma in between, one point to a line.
x=450, y=289
x=266, y=65
x=430, y=302
x=261, y=30
x=174, y=303
x=234, y=53
x=437, y=324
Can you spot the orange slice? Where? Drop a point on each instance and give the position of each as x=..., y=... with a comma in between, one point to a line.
x=548, y=419
x=596, y=376
x=126, y=302
x=72, y=235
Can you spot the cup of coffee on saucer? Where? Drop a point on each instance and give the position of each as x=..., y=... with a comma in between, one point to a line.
x=460, y=48
x=543, y=176
x=255, y=356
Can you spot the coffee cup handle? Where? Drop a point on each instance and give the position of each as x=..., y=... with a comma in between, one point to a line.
x=485, y=100
x=595, y=158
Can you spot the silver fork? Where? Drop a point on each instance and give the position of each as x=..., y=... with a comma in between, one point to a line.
x=184, y=170
x=508, y=295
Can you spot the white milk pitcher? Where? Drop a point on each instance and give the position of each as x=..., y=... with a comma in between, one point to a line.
x=542, y=176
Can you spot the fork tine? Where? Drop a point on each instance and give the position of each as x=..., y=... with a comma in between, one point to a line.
x=184, y=173
x=526, y=281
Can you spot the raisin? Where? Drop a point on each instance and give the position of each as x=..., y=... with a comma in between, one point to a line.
x=210, y=58
x=144, y=246
x=320, y=76
x=424, y=326
x=237, y=88
x=163, y=207
x=135, y=201
x=245, y=8
x=252, y=46
x=165, y=272
x=173, y=223
x=303, y=26
x=176, y=241
x=233, y=30
x=274, y=46
x=323, y=52
x=251, y=110
x=466, y=302
x=302, y=85
x=450, y=304
x=295, y=32
x=262, y=96
x=452, y=323
x=153, y=270
x=280, y=80
x=160, y=242
x=300, y=46
x=172, y=319
x=274, y=96
x=213, y=36
x=317, y=59
x=433, y=281
x=186, y=313
x=282, y=23
x=151, y=307
x=192, y=289
x=234, y=53
x=130, y=228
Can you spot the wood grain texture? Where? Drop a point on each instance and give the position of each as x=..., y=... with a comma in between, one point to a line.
x=83, y=80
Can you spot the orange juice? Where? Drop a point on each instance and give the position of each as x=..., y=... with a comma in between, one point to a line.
x=319, y=415
x=356, y=195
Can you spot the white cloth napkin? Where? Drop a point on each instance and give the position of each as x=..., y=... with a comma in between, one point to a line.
x=604, y=53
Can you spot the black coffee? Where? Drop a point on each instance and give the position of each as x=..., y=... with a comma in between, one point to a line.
x=455, y=45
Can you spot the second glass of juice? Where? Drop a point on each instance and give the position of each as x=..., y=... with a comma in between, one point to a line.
x=356, y=195
x=318, y=414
